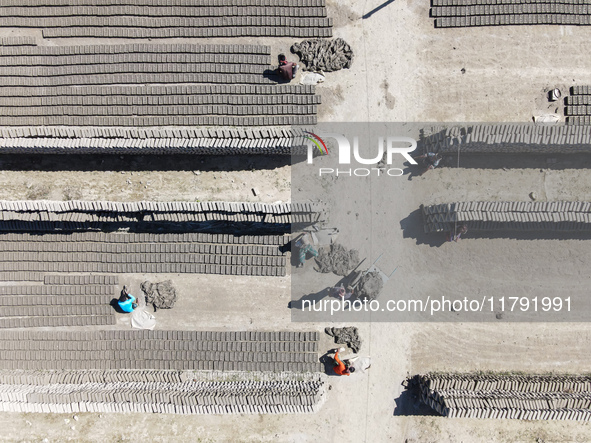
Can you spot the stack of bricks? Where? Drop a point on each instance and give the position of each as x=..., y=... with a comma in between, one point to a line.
x=507, y=139
x=95, y=214
x=161, y=391
x=145, y=253
x=578, y=106
x=509, y=216
x=521, y=397
x=58, y=301
x=463, y=13
x=177, y=19
x=160, y=350
x=115, y=85
x=182, y=140
x=20, y=40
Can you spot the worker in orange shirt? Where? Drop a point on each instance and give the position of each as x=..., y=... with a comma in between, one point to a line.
x=340, y=368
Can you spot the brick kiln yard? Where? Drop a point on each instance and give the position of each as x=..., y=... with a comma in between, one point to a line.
x=404, y=70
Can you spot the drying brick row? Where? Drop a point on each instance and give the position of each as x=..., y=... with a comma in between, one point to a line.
x=533, y=397
x=114, y=85
x=521, y=19
x=152, y=25
x=146, y=268
x=457, y=3
x=20, y=40
x=45, y=321
x=507, y=139
x=204, y=32
x=81, y=279
x=161, y=11
x=126, y=237
x=54, y=310
x=56, y=290
x=510, y=9
x=156, y=91
x=22, y=276
x=164, y=100
x=173, y=120
x=65, y=50
x=50, y=300
x=153, y=140
x=169, y=335
x=152, y=110
x=161, y=391
x=134, y=248
x=156, y=345
x=523, y=216
x=202, y=3
x=247, y=350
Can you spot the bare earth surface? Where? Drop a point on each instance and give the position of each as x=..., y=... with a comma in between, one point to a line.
x=404, y=70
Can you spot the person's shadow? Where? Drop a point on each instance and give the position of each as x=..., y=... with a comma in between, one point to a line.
x=412, y=170
x=409, y=402
x=312, y=298
x=115, y=304
x=322, y=294
x=328, y=363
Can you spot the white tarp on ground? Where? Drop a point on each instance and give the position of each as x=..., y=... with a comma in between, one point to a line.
x=311, y=78
x=362, y=364
x=546, y=119
x=142, y=319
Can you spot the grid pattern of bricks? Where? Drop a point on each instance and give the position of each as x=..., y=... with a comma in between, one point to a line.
x=179, y=140
x=119, y=253
x=577, y=106
x=534, y=397
x=161, y=391
x=178, y=350
x=507, y=139
x=509, y=216
x=54, y=311
x=110, y=74
x=81, y=280
x=177, y=19
x=50, y=300
x=21, y=276
x=20, y=40
x=56, y=290
x=462, y=13
x=47, y=305
x=88, y=319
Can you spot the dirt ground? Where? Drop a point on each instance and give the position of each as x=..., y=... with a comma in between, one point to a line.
x=404, y=70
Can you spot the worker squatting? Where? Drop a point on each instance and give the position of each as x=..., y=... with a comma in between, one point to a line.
x=361, y=172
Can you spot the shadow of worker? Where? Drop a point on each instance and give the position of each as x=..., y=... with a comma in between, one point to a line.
x=312, y=298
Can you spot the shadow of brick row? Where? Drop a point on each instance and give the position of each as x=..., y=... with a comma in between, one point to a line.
x=113, y=85
x=523, y=397
x=238, y=219
x=506, y=139
x=161, y=391
x=464, y=13
x=132, y=212
x=560, y=216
